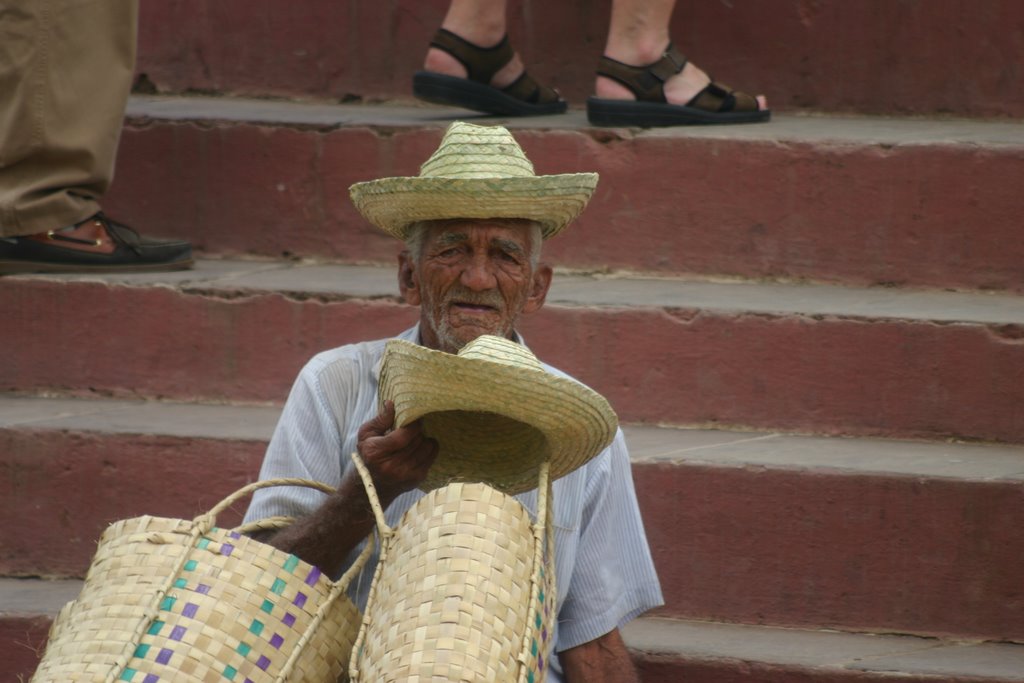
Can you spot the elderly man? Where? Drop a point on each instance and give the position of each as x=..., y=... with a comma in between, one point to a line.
x=473, y=223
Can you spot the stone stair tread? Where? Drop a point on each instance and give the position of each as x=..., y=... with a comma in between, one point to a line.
x=163, y=418
x=26, y=597
x=617, y=290
x=907, y=655
x=807, y=649
x=784, y=128
x=648, y=444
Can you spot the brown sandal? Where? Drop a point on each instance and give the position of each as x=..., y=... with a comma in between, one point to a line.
x=524, y=97
x=716, y=103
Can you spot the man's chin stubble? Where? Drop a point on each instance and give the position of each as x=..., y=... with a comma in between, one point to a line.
x=451, y=341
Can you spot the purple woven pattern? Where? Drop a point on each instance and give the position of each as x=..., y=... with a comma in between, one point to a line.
x=235, y=612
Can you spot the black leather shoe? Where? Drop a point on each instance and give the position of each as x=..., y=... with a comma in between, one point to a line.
x=97, y=244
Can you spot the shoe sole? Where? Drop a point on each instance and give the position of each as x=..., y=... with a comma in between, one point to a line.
x=27, y=267
x=629, y=114
x=458, y=92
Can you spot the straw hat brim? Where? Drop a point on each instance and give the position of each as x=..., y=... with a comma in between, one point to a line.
x=494, y=423
x=554, y=201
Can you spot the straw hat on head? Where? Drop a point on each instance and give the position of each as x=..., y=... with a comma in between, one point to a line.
x=476, y=172
x=495, y=412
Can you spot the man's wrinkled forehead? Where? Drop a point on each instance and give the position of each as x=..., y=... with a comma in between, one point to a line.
x=453, y=237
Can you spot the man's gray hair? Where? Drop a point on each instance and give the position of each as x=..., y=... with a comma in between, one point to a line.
x=417, y=233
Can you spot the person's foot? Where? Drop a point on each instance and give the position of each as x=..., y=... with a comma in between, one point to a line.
x=633, y=89
x=97, y=244
x=489, y=79
x=679, y=89
x=440, y=62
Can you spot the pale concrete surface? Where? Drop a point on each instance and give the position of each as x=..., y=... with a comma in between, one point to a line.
x=301, y=279
x=648, y=444
x=904, y=655
x=161, y=418
x=782, y=129
x=36, y=596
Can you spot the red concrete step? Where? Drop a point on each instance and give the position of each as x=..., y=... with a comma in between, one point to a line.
x=798, y=358
x=759, y=528
x=27, y=608
x=664, y=650
x=842, y=200
x=874, y=56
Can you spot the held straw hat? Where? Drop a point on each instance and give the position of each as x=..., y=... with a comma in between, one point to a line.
x=495, y=412
x=476, y=172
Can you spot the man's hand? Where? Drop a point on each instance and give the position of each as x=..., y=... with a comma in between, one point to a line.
x=603, y=660
x=398, y=460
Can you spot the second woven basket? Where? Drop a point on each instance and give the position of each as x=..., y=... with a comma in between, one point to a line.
x=464, y=589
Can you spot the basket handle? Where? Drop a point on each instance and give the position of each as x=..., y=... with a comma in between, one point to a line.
x=265, y=524
x=371, y=494
x=206, y=520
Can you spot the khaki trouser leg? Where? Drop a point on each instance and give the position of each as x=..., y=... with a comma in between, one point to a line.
x=65, y=74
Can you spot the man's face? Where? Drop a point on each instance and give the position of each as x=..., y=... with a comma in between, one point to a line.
x=473, y=277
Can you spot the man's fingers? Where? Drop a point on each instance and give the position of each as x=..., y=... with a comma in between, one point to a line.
x=399, y=459
x=379, y=424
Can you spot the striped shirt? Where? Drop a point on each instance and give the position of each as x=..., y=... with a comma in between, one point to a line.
x=603, y=565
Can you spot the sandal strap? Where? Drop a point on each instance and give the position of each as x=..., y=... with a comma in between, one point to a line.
x=718, y=97
x=481, y=62
x=647, y=83
x=527, y=89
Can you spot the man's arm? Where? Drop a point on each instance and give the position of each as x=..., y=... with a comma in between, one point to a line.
x=398, y=461
x=602, y=660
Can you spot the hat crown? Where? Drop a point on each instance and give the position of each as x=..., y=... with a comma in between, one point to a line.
x=500, y=350
x=495, y=411
x=470, y=151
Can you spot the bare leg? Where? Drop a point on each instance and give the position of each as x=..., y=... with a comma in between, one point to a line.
x=481, y=22
x=638, y=35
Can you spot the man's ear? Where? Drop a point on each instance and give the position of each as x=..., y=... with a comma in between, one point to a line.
x=538, y=288
x=408, y=282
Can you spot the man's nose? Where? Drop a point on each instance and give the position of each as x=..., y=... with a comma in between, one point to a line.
x=478, y=275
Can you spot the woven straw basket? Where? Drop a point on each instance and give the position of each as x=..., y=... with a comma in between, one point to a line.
x=169, y=600
x=464, y=589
